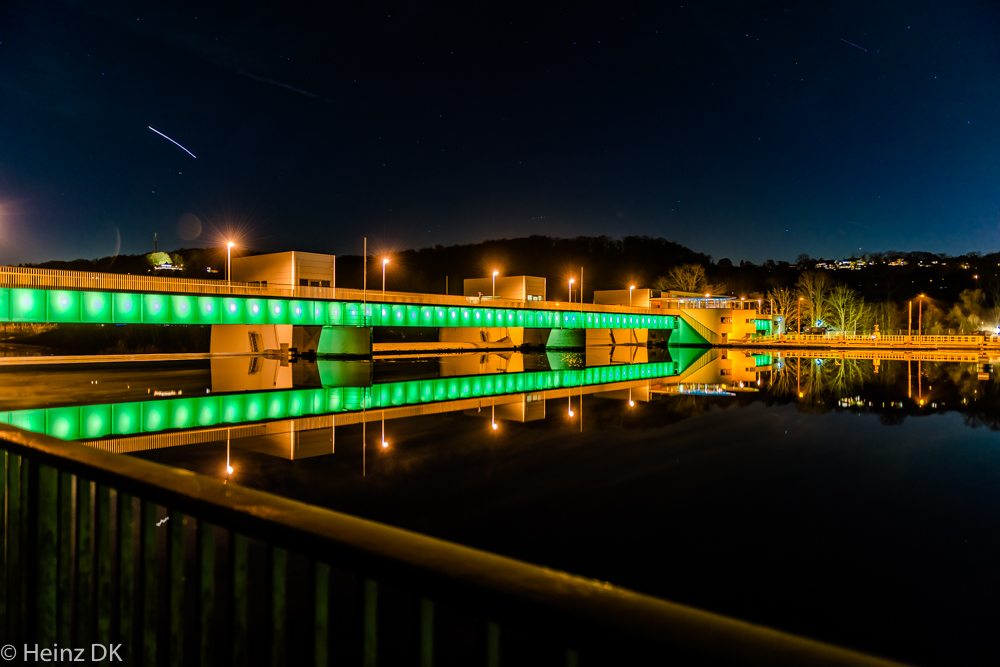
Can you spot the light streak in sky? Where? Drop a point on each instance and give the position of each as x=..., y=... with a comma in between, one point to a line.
x=841, y=39
x=172, y=141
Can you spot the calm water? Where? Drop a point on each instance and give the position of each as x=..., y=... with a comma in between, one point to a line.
x=848, y=500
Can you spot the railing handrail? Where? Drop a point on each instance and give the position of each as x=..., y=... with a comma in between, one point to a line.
x=451, y=568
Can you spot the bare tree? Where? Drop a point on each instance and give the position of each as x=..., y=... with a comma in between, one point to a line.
x=847, y=309
x=783, y=303
x=686, y=278
x=814, y=288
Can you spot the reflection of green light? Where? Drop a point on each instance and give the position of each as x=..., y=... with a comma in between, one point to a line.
x=232, y=409
x=255, y=407
x=276, y=406
x=130, y=418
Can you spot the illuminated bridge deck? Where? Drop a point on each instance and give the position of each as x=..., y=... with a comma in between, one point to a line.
x=37, y=296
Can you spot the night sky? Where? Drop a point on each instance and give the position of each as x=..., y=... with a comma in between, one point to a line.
x=743, y=130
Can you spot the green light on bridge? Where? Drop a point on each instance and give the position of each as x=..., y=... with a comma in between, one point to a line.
x=31, y=305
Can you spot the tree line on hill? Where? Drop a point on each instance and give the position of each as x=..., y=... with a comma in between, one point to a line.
x=961, y=294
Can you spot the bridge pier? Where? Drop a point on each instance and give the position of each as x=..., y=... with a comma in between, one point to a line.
x=250, y=338
x=345, y=341
x=567, y=338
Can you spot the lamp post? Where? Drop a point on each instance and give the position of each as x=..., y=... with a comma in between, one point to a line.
x=920, y=316
x=229, y=260
x=495, y=274
x=798, y=318
x=631, y=287
x=384, y=262
x=909, y=324
x=570, y=289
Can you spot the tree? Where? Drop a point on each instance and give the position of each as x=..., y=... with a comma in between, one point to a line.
x=967, y=314
x=157, y=258
x=847, y=308
x=783, y=305
x=687, y=278
x=814, y=287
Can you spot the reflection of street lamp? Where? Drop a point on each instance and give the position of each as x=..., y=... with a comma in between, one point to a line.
x=631, y=287
x=495, y=273
x=229, y=468
x=384, y=262
x=569, y=401
x=570, y=289
x=229, y=255
x=493, y=417
x=384, y=443
x=631, y=403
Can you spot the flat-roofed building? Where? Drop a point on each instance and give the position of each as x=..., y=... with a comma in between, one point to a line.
x=638, y=297
x=519, y=288
x=291, y=269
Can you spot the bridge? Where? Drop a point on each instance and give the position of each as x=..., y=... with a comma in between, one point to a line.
x=250, y=317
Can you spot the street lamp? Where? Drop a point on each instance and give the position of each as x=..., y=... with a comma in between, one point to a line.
x=495, y=274
x=570, y=289
x=384, y=262
x=631, y=287
x=920, y=316
x=229, y=257
x=798, y=318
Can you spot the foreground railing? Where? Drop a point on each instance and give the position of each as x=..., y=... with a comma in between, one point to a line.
x=167, y=567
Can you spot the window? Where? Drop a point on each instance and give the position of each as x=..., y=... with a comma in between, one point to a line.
x=324, y=283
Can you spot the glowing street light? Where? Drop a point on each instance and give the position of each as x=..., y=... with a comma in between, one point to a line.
x=920, y=316
x=229, y=258
x=630, y=288
x=493, y=417
x=385, y=444
x=384, y=262
x=495, y=274
x=799, y=316
x=570, y=289
x=569, y=401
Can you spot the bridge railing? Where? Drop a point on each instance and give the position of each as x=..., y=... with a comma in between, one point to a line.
x=837, y=338
x=180, y=568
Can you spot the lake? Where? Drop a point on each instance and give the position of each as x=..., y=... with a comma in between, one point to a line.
x=849, y=500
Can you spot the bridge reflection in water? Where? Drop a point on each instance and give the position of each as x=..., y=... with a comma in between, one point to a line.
x=293, y=410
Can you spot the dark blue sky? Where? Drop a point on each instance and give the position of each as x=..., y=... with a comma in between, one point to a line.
x=742, y=130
